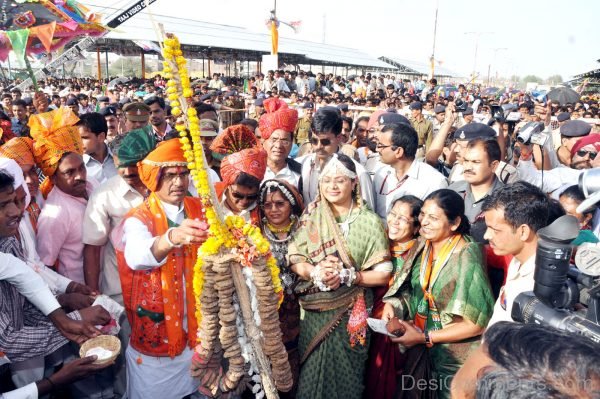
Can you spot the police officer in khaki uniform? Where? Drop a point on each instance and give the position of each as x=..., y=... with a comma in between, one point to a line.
x=301, y=133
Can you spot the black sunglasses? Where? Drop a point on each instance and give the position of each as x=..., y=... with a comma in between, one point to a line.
x=240, y=196
x=324, y=142
x=582, y=154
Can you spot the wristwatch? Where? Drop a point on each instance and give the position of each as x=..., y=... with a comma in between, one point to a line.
x=428, y=341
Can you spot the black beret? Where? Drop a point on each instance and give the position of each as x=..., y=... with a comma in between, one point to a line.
x=343, y=107
x=308, y=105
x=563, y=116
x=206, y=97
x=392, y=117
x=575, y=128
x=103, y=99
x=474, y=130
x=72, y=101
x=416, y=105
x=259, y=102
x=468, y=111
x=439, y=109
x=107, y=111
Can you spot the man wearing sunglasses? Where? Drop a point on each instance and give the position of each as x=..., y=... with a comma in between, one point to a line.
x=570, y=132
x=583, y=156
x=325, y=128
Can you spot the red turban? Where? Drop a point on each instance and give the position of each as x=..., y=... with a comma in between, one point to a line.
x=587, y=140
x=233, y=139
x=277, y=116
x=252, y=161
x=168, y=153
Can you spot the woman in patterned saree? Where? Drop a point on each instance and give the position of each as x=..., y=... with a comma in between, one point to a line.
x=340, y=251
x=443, y=289
x=385, y=359
x=280, y=207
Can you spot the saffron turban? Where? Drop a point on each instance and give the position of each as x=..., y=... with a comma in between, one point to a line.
x=278, y=116
x=20, y=149
x=167, y=154
x=54, y=134
x=252, y=161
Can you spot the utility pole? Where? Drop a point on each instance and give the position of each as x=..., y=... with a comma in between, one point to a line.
x=477, y=36
x=494, y=63
x=432, y=60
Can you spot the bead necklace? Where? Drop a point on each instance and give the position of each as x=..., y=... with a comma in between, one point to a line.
x=281, y=230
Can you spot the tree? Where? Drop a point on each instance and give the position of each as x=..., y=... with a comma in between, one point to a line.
x=554, y=80
x=532, y=79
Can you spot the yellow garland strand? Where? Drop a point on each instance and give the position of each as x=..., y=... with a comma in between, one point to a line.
x=220, y=234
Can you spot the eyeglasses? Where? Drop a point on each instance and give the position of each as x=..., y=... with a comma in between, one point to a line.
x=382, y=147
x=170, y=177
x=399, y=218
x=274, y=204
x=582, y=153
x=240, y=196
x=324, y=142
x=275, y=140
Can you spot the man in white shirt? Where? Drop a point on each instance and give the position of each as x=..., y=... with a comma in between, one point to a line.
x=160, y=238
x=280, y=83
x=276, y=129
x=402, y=175
x=326, y=127
x=97, y=157
x=513, y=215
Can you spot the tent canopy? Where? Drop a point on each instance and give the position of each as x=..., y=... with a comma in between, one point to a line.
x=224, y=42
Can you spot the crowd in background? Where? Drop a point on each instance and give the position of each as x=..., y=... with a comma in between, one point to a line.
x=385, y=198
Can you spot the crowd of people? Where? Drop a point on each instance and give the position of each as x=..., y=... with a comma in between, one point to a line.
x=380, y=197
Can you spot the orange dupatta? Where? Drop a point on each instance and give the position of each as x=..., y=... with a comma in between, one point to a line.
x=429, y=272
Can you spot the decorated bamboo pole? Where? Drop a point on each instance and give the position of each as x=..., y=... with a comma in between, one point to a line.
x=253, y=278
x=253, y=332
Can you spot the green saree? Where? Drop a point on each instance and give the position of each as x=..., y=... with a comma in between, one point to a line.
x=461, y=289
x=332, y=367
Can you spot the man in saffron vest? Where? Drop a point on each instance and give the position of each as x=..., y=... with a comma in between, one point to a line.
x=160, y=241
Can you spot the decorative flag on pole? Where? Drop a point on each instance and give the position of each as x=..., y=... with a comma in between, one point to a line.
x=45, y=33
x=18, y=40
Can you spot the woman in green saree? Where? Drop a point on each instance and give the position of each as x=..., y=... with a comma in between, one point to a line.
x=443, y=290
x=340, y=251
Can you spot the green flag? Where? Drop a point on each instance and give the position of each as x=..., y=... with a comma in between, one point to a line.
x=18, y=40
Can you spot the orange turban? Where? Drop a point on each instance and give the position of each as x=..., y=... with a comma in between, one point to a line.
x=252, y=161
x=277, y=116
x=168, y=153
x=54, y=134
x=20, y=149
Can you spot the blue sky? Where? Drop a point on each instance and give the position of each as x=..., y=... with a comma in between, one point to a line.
x=540, y=37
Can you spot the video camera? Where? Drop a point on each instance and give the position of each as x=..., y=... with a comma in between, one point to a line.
x=564, y=296
x=531, y=133
x=460, y=105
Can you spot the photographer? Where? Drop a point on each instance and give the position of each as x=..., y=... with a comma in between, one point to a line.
x=526, y=361
x=513, y=215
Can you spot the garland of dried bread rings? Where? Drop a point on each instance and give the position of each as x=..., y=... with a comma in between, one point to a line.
x=217, y=312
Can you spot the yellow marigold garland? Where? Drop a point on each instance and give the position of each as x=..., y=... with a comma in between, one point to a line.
x=228, y=234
